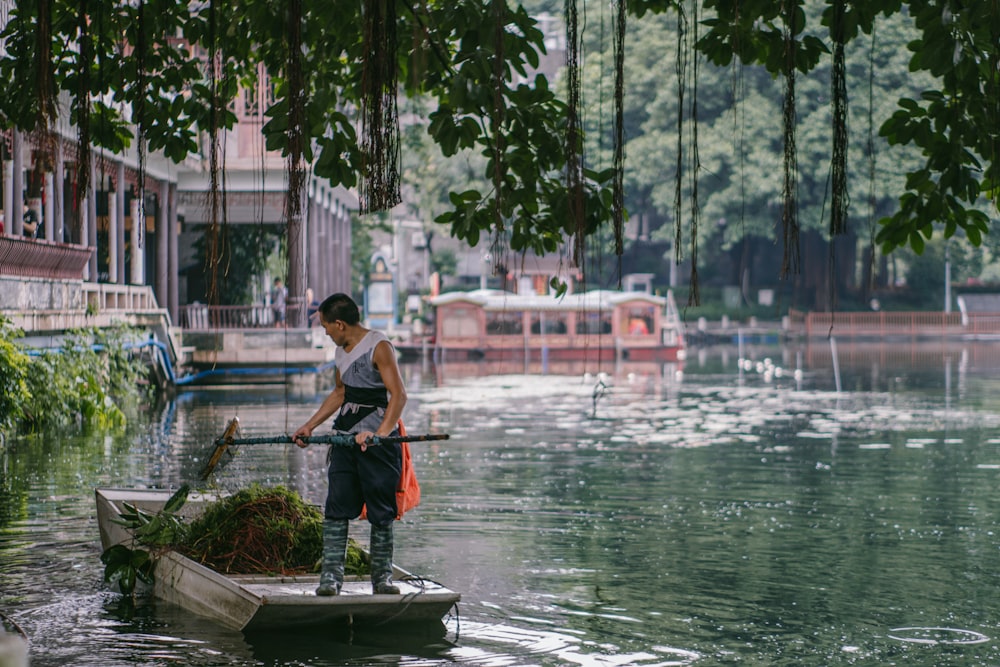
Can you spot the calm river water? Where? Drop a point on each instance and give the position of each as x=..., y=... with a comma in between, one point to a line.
x=704, y=514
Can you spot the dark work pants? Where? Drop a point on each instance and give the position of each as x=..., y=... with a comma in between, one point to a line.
x=366, y=478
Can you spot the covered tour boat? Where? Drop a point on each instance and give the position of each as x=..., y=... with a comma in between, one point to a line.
x=598, y=324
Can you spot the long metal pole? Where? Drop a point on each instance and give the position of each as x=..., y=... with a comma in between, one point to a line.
x=222, y=445
x=341, y=440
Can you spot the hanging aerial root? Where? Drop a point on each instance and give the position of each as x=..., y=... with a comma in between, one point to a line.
x=379, y=186
x=618, y=184
x=789, y=215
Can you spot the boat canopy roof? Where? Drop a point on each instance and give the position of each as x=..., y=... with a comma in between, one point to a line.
x=499, y=300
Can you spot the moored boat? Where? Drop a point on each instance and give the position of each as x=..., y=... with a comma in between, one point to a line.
x=599, y=324
x=263, y=603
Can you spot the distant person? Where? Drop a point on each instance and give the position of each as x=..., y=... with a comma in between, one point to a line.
x=279, y=297
x=32, y=226
x=367, y=399
x=312, y=307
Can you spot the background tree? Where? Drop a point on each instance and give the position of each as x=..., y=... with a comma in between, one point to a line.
x=240, y=258
x=128, y=78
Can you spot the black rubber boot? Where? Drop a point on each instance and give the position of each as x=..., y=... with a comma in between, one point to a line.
x=331, y=578
x=381, y=550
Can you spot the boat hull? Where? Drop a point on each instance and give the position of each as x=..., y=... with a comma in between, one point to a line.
x=260, y=603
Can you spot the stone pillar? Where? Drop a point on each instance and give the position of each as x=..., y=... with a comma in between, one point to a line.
x=344, y=220
x=173, y=270
x=48, y=208
x=162, y=250
x=16, y=222
x=8, y=197
x=89, y=271
x=336, y=257
x=113, y=236
x=138, y=268
x=89, y=211
x=120, y=221
x=315, y=222
x=326, y=245
x=333, y=254
x=58, y=197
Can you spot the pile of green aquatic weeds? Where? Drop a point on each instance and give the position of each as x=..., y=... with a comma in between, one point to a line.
x=262, y=530
x=259, y=530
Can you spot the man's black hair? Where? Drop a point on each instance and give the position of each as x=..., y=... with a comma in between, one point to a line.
x=341, y=307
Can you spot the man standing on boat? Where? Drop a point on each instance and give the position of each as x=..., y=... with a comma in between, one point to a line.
x=368, y=400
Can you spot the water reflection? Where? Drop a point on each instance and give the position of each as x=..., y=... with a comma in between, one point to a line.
x=689, y=514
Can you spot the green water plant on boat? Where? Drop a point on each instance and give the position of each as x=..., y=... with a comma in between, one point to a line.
x=156, y=531
x=257, y=530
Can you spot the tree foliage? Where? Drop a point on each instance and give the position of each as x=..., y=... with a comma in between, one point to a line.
x=141, y=67
x=740, y=147
x=953, y=122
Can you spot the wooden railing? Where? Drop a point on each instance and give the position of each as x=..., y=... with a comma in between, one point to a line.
x=202, y=317
x=37, y=258
x=894, y=323
x=982, y=323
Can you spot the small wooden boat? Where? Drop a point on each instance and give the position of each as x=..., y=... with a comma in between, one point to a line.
x=260, y=603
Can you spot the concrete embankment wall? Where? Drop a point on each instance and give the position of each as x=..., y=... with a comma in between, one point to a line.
x=46, y=308
x=40, y=294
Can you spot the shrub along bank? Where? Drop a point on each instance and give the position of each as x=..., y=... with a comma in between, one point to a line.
x=91, y=381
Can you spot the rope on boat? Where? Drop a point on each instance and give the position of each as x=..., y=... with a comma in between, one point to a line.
x=458, y=620
x=406, y=600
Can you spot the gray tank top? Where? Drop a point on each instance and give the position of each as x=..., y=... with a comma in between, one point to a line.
x=365, y=396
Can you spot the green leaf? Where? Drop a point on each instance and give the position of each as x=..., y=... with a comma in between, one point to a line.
x=177, y=500
x=974, y=236
x=559, y=286
x=143, y=565
x=115, y=555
